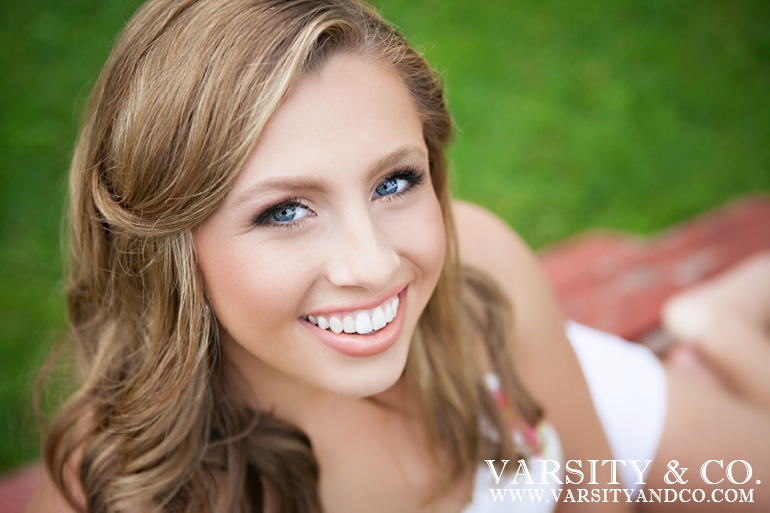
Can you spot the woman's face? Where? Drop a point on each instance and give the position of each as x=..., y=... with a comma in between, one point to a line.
x=322, y=257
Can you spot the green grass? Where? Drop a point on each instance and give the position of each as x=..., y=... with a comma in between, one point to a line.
x=625, y=114
x=632, y=115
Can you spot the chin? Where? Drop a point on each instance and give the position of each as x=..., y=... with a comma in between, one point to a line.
x=365, y=379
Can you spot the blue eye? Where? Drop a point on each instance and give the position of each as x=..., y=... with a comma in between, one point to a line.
x=283, y=214
x=399, y=183
x=391, y=185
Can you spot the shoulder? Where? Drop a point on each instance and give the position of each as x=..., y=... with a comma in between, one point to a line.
x=542, y=355
x=488, y=244
x=486, y=241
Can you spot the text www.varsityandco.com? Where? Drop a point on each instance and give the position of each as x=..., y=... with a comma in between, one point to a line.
x=546, y=485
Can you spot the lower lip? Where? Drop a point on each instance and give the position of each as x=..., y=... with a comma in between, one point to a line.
x=352, y=344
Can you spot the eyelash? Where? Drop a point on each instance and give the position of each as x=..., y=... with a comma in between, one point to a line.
x=263, y=219
x=412, y=175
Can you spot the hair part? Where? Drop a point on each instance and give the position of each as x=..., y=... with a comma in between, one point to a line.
x=174, y=115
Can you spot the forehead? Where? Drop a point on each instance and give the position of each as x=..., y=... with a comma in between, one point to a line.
x=352, y=112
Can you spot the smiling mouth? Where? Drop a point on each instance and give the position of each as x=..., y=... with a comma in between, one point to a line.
x=362, y=322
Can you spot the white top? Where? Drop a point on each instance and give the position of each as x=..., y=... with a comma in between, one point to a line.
x=630, y=393
x=517, y=491
x=629, y=390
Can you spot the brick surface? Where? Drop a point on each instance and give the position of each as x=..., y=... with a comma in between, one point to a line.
x=618, y=283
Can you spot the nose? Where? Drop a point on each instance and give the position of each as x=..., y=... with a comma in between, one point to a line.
x=362, y=255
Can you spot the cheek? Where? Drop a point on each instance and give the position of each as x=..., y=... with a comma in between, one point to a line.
x=248, y=288
x=421, y=237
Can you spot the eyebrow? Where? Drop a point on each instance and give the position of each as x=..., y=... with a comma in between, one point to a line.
x=305, y=184
x=403, y=153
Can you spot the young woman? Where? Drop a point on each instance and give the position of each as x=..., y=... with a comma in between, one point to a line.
x=277, y=307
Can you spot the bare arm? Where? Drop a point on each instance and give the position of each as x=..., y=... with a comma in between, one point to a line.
x=704, y=421
x=543, y=356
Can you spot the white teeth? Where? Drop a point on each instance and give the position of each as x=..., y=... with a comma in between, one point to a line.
x=362, y=322
x=378, y=319
x=335, y=325
x=348, y=324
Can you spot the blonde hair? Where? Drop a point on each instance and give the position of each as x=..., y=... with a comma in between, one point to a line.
x=173, y=117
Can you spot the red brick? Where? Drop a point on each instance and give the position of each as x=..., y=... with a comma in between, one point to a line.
x=618, y=283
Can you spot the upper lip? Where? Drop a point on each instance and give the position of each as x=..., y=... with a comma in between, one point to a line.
x=360, y=305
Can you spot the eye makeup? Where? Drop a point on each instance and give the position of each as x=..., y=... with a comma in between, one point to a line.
x=284, y=214
x=289, y=213
x=410, y=176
